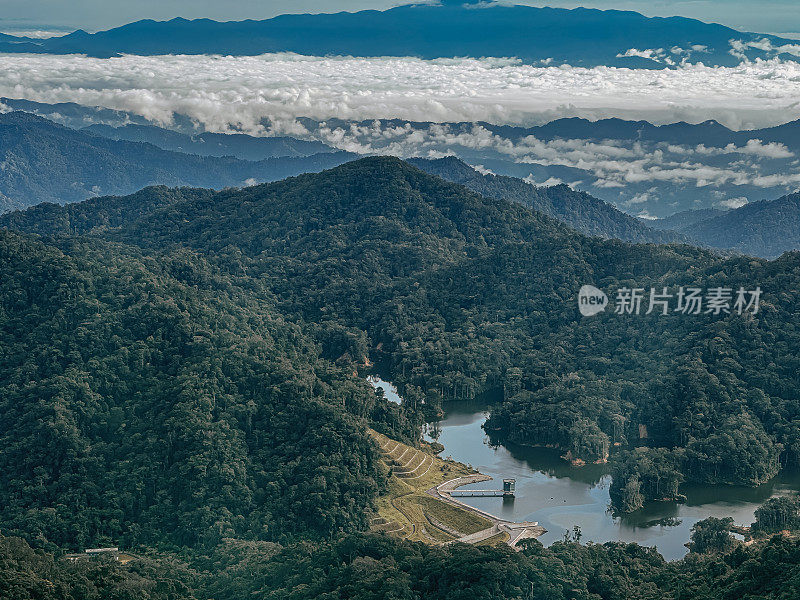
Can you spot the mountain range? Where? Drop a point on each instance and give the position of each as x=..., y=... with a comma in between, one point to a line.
x=46, y=162
x=641, y=168
x=579, y=210
x=239, y=145
x=118, y=160
x=767, y=228
x=443, y=30
x=709, y=133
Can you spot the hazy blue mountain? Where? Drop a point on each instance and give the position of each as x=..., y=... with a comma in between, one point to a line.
x=46, y=162
x=78, y=116
x=579, y=210
x=685, y=218
x=767, y=228
x=708, y=133
x=580, y=36
x=242, y=146
x=707, y=145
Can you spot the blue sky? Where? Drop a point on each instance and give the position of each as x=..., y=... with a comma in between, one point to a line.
x=770, y=16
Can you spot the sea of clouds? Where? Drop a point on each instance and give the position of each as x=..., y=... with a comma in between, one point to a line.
x=224, y=93
x=266, y=95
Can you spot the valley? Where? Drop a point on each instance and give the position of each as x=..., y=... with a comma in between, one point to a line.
x=372, y=300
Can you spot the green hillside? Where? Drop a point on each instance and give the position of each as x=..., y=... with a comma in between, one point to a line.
x=180, y=379
x=579, y=210
x=148, y=400
x=458, y=295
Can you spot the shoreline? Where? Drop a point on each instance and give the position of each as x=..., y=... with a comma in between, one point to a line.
x=517, y=531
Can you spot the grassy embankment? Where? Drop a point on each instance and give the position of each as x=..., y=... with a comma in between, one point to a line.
x=407, y=511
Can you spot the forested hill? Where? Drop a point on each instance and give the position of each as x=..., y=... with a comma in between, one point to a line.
x=148, y=400
x=95, y=214
x=46, y=162
x=579, y=210
x=686, y=218
x=766, y=228
x=207, y=143
x=457, y=294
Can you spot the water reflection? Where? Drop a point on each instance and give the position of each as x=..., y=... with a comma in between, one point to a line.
x=389, y=390
x=559, y=496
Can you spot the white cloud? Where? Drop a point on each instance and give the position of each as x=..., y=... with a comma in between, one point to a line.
x=550, y=182
x=733, y=202
x=651, y=54
x=765, y=45
x=758, y=148
x=482, y=170
x=227, y=93
x=38, y=34
x=639, y=199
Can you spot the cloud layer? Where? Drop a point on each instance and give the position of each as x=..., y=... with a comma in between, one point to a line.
x=223, y=93
x=268, y=94
x=603, y=163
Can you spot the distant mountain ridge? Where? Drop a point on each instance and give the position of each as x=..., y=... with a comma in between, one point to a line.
x=585, y=37
x=685, y=218
x=79, y=116
x=241, y=146
x=767, y=228
x=46, y=162
x=708, y=133
x=579, y=210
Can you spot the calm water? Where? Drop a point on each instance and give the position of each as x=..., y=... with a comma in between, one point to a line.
x=389, y=391
x=560, y=496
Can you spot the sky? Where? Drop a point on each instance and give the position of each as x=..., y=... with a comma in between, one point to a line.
x=767, y=16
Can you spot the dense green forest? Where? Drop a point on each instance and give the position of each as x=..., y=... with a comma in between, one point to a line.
x=455, y=294
x=377, y=567
x=180, y=376
x=579, y=210
x=147, y=400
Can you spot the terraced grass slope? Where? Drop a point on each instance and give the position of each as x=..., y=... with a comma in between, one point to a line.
x=407, y=511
